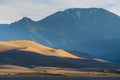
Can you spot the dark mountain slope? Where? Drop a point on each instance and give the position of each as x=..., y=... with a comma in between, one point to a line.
x=83, y=27
x=2, y=26
x=92, y=30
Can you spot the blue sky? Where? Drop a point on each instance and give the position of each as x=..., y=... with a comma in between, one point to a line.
x=12, y=10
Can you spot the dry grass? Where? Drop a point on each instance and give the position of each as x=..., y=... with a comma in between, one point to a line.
x=13, y=70
x=74, y=72
x=9, y=70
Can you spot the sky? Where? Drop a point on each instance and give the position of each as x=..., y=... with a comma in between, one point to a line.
x=13, y=10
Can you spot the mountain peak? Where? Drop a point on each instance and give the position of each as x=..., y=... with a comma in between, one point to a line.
x=25, y=19
x=78, y=10
x=80, y=13
x=83, y=8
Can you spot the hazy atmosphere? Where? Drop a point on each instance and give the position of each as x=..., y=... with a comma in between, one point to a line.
x=59, y=39
x=12, y=10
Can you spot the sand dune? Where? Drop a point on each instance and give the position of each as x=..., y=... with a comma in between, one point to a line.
x=26, y=45
x=28, y=57
x=31, y=54
x=7, y=46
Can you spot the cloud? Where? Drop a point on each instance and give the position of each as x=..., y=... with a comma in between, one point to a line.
x=12, y=10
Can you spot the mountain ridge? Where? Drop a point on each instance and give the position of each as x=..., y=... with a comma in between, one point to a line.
x=94, y=31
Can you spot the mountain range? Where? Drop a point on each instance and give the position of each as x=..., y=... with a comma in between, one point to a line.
x=89, y=30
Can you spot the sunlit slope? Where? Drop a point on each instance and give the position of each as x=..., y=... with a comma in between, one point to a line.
x=30, y=54
x=7, y=46
x=26, y=45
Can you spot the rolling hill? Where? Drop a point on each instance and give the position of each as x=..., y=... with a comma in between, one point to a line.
x=31, y=54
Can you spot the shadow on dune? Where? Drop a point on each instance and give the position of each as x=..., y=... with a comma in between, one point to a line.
x=32, y=59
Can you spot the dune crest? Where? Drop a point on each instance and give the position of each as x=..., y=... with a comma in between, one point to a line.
x=26, y=45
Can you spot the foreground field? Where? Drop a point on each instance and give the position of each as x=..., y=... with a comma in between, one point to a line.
x=59, y=78
x=55, y=71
